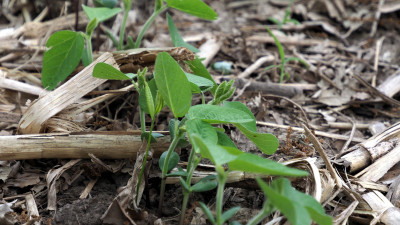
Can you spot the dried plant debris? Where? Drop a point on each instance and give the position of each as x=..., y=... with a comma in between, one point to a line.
x=329, y=66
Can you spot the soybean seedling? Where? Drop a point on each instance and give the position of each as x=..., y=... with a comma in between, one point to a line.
x=283, y=58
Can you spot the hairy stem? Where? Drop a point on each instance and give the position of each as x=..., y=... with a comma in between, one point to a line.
x=220, y=193
x=165, y=167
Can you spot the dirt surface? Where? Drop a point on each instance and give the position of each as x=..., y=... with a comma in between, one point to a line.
x=344, y=43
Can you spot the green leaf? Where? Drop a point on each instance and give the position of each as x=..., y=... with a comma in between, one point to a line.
x=176, y=38
x=147, y=100
x=200, y=70
x=102, y=13
x=229, y=213
x=173, y=160
x=205, y=184
x=251, y=126
x=173, y=85
x=235, y=223
x=267, y=143
x=202, y=129
x=66, y=48
x=105, y=3
x=208, y=212
x=252, y=163
x=313, y=207
x=91, y=26
x=146, y=135
x=179, y=173
x=296, y=59
x=294, y=212
x=278, y=44
x=199, y=81
x=218, y=114
x=275, y=21
x=219, y=155
x=105, y=71
x=298, y=207
x=224, y=140
x=193, y=7
x=270, y=67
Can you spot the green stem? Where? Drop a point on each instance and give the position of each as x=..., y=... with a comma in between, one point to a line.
x=192, y=164
x=184, y=205
x=89, y=48
x=147, y=24
x=144, y=161
x=220, y=193
x=142, y=117
x=122, y=30
x=171, y=148
x=260, y=216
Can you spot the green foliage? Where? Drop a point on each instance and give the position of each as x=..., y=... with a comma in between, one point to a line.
x=229, y=213
x=218, y=115
x=105, y=3
x=286, y=18
x=193, y=7
x=105, y=71
x=102, y=13
x=223, y=92
x=173, y=85
x=298, y=207
x=207, y=183
x=252, y=163
x=172, y=162
x=200, y=70
x=176, y=38
x=284, y=60
x=62, y=58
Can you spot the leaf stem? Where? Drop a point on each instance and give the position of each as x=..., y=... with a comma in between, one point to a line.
x=147, y=24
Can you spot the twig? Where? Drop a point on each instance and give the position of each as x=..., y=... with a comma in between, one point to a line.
x=253, y=67
x=295, y=104
x=317, y=145
x=373, y=90
x=353, y=131
x=319, y=133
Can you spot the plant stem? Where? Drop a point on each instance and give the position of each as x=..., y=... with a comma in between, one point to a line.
x=260, y=216
x=184, y=205
x=220, y=193
x=147, y=24
x=122, y=30
x=142, y=117
x=144, y=161
x=190, y=170
x=171, y=148
x=89, y=48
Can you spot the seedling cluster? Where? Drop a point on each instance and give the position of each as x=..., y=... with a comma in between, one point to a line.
x=171, y=86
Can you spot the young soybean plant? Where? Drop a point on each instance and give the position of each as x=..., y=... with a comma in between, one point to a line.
x=173, y=87
x=67, y=48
